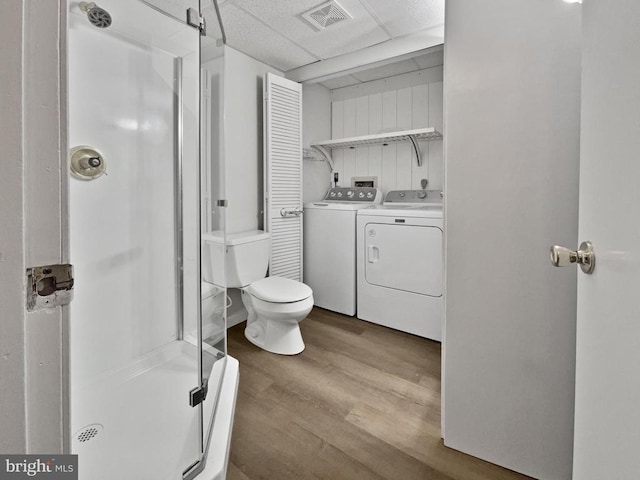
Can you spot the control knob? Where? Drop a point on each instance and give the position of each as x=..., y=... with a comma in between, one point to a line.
x=349, y=193
x=361, y=194
x=422, y=194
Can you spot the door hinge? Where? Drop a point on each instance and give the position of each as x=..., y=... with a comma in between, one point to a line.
x=198, y=395
x=222, y=203
x=196, y=20
x=49, y=286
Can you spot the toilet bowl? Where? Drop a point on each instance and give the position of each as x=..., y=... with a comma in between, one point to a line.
x=275, y=305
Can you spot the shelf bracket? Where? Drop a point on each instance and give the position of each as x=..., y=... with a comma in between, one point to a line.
x=326, y=154
x=416, y=149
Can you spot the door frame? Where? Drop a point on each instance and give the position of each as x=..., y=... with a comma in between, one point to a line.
x=34, y=344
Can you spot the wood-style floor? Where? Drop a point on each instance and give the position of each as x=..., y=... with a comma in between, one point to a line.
x=361, y=402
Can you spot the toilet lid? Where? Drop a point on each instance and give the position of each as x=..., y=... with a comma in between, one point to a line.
x=279, y=290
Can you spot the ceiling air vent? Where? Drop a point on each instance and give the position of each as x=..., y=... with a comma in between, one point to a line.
x=325, y=15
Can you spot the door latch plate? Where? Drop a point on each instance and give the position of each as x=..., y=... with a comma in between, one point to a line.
x=49, y=286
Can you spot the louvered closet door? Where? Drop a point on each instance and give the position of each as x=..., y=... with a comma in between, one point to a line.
x=283, y=175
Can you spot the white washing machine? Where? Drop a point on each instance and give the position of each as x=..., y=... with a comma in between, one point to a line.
x=400, y=263
x=330, y=246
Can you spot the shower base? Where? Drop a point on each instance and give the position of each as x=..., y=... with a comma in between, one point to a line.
x=136, y=423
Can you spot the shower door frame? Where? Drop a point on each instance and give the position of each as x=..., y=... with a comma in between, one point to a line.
x=37, y=199
x=179, y=231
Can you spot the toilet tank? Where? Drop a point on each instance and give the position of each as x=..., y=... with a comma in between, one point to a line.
x=213, y=258
x=246, y=257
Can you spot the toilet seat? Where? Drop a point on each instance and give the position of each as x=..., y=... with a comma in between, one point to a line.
x=279, y=290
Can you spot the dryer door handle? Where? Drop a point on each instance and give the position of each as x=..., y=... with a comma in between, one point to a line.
x=373, y=254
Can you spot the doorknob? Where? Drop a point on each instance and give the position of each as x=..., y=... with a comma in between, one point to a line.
x=586, y=257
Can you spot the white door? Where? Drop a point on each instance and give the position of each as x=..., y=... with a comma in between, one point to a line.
x=607, y=411
x=404, y=257
x=283, y=175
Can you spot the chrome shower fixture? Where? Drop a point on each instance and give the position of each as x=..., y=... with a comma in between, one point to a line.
x=98, y=17
x=87, y=163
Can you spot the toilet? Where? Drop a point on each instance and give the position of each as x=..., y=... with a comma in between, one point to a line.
x=275, y=304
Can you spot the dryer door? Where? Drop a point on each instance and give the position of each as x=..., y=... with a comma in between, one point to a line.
x=404, y=257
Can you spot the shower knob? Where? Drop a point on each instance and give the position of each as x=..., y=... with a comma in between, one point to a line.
x=87, y=163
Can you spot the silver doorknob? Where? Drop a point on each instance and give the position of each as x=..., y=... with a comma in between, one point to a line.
x=585, y=257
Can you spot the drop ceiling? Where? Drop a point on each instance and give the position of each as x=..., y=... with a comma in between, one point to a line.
x=434, y=57
x=274, y=32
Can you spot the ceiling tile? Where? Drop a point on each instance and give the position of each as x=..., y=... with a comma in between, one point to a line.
x=389, y=70
x=251, y=37
x=340, y=82
x=402, y=17
x=344, y=37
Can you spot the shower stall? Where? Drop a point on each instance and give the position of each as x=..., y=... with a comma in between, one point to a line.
x=152, y=388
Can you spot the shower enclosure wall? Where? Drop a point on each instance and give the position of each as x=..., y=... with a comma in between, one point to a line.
x=148, y=337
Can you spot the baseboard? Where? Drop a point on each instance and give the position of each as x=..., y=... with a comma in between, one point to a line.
x=236, y=317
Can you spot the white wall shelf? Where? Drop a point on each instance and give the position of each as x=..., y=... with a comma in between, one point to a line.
x=412, y=136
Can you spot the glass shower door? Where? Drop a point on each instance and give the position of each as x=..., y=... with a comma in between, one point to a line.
x=214, y=303
x=134, y=210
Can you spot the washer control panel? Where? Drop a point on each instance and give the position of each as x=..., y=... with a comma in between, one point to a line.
x=414, y=196
x=354, y=194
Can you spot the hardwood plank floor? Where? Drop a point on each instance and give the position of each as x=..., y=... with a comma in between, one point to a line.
x=361, y=402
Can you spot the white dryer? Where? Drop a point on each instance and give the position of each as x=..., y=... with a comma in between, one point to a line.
x=400, y=263
x=330, y=246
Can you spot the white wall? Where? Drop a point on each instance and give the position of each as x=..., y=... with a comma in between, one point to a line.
x=33, y=346
x=401, y=102
x=243, y=77
x=213, y=188
x=241, y=167
x=512, y=94
x=316, y=125
x=126, y=255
